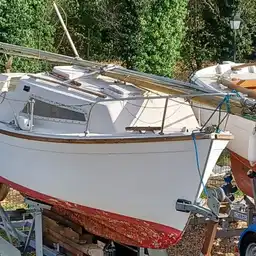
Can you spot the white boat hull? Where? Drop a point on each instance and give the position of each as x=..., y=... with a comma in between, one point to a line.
x=242, y=130
x=243, y=147
x=240, y=127
x=139, y=180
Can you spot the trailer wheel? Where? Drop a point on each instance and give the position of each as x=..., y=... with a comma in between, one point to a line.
x=248, y=245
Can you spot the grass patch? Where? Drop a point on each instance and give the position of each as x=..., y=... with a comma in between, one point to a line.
x=224, y=159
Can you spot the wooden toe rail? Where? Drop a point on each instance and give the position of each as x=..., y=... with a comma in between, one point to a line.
x=238, y=67
x=143, y=128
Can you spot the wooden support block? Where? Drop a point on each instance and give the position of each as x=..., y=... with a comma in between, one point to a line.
x=65, y=231
x=85, y=239
x=66, y=246
x=229, y=233
x=87, y=249
x=224, y=207
x=210, y=234
x=59, y=219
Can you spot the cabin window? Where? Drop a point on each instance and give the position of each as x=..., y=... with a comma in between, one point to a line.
x=44, y=109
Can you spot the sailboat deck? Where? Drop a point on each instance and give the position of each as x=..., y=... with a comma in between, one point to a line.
x=82, y=81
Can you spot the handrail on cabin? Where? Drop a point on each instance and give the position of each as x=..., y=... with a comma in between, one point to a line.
x=166, y=97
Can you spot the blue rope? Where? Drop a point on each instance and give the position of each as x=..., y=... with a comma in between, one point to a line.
x=236, y=92
x=227, y=99
x=198, y=165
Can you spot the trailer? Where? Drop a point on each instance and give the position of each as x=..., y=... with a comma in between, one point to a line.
x=247, y=240
x=222, y=210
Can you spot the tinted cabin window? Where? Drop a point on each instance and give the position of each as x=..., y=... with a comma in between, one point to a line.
x=51, y=111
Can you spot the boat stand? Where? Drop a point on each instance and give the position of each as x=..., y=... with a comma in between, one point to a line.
x=212, y=213
x=140, y=251
x=244, y=210
x=154, y=252
x=151, y=252
x=22, y=241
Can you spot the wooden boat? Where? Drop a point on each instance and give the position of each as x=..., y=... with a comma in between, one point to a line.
x=106, y=153
x=239, y=78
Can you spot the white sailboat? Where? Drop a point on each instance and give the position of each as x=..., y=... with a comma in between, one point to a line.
x=239, y=78
x=106, y=150
x=104, y=147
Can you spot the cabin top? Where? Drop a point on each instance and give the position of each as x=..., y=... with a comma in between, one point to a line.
x=77, y=82
x=228, y=69
x=89, y=80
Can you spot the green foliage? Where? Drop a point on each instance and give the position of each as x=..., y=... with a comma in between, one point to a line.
x=26, y=23
x=145, y=34
x=148, y=35
x=224, y=159
x=162, y=32
x=94, y=27
x=129, y=31
x=209, y=36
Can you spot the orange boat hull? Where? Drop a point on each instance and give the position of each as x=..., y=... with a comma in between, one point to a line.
x=240, y=166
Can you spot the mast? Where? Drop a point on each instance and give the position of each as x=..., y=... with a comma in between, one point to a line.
x=66, y=30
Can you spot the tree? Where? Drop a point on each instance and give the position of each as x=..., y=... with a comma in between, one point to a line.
x=128, y=36
x=27, y=23
x=94, y=27
x=209, y=37
x=161, y=36
x=144, y=35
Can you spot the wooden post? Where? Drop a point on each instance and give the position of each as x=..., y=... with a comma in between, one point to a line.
x=8, y=65
x=210, y=235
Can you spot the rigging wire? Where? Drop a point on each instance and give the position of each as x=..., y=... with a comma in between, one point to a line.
x=139, y=106
x=198, y=163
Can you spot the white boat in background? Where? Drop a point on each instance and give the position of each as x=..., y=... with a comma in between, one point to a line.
x=240, y=78
x=110, y=155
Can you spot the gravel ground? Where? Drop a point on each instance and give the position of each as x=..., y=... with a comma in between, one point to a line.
x=193, y=239
x=191, y=242
x=13, y=200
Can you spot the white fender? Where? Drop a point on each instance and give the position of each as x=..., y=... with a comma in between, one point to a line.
x=24, y=123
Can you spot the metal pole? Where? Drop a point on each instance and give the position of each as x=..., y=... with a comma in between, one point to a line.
x=234, y=45
x=169, y=97
x=32, y=107
x=254, y=190
x=66, y=31
x=140, y=252
x=39, y=232
x=163, y=120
